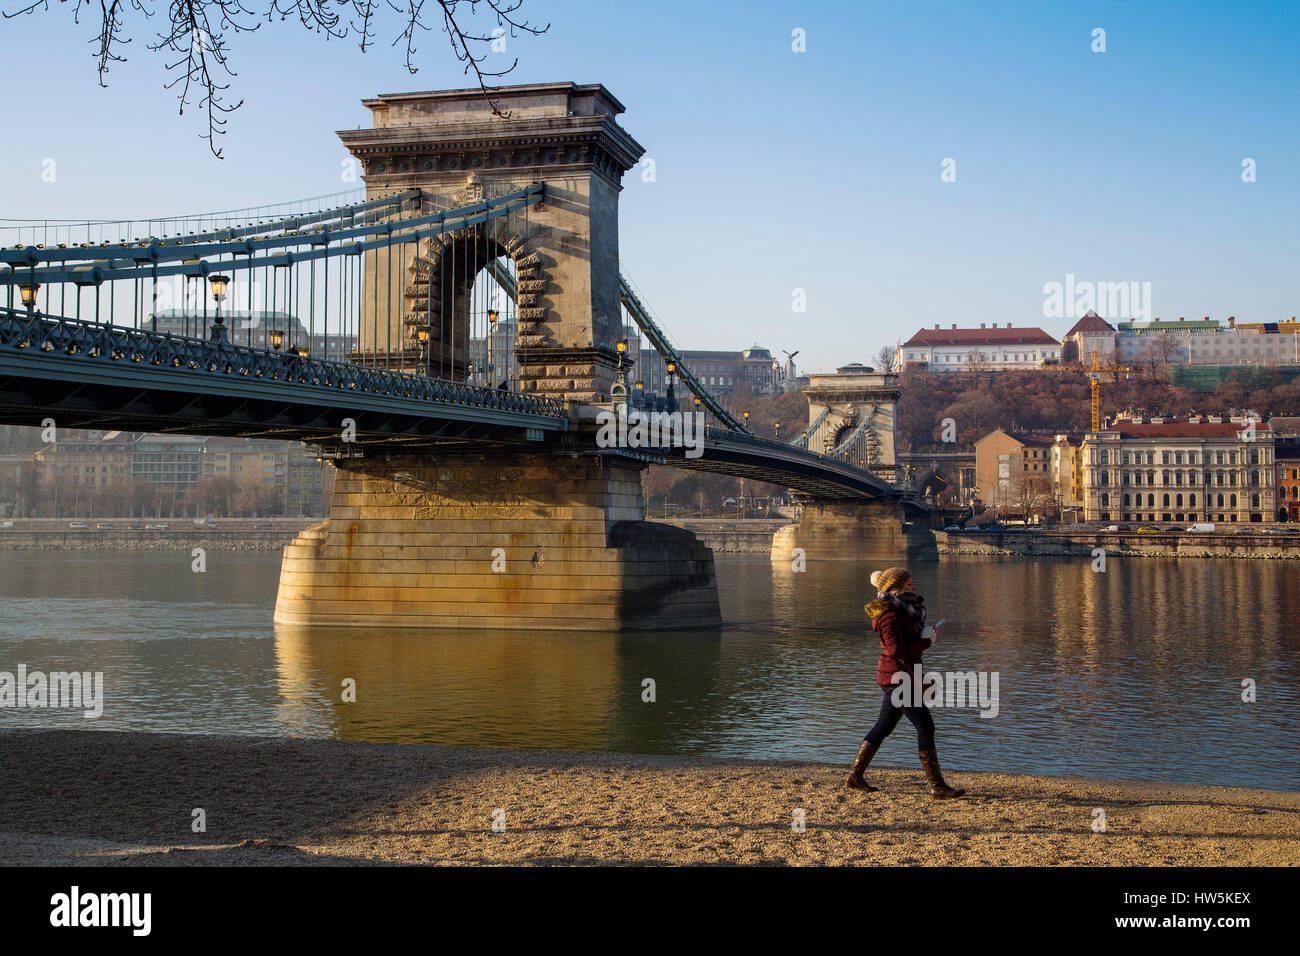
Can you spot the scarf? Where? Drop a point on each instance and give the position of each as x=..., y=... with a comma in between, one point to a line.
x=910, y=604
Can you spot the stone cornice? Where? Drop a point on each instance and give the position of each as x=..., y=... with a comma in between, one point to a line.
x=596, y=140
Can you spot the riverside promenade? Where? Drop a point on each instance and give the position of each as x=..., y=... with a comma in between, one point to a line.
x=110, y=798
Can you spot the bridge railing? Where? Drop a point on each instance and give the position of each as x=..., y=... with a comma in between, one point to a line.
x=714, y=433
x=21, y=330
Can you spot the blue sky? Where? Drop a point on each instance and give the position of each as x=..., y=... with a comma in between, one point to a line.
x=778, y=170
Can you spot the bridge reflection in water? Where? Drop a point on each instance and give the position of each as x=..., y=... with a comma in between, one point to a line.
x=1133, y=673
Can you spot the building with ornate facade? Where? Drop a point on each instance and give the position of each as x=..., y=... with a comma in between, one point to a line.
x=1194, y=469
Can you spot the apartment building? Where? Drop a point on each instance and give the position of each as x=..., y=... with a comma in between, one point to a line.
x=1178, y=470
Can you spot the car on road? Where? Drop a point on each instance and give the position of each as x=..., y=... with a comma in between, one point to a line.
x=1146, y=530
x=953, y=527
x=1244, y=531
x=104, y=524
x=264, y=524
x=78, y=525
x=6, y=524
x=156, y=527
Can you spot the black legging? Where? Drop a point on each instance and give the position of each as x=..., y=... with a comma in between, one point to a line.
x=890, y=713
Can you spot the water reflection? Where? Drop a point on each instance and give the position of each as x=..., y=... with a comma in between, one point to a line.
x=1135, y=672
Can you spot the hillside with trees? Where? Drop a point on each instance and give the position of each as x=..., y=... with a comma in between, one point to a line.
x=978, y=402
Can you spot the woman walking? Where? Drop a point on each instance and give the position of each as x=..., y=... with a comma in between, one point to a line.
x=898, y=616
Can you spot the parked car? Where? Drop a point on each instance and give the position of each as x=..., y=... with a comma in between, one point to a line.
x=1244, y=531
x=204, y=523
x=1146, y=530
x=156, y=527
x=952, y=527
x=6, y=524
x=78, y=525
x=104, y=524
x=264, y=524
x=1110, y=527
x=1125, y=527
x=1201, y=527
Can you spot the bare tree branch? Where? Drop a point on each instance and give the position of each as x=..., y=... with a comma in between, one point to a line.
x=196, y=34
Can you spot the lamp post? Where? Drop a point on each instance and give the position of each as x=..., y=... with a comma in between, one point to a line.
x=27, y=291
x=618, y=391
x=778, y=431
x=492, y=327
x=218, y=331
x=422, y=336
x=277, y=339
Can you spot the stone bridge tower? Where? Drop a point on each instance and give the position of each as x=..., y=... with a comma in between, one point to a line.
x=499, y=537
x=453, y=147
x=853, y=413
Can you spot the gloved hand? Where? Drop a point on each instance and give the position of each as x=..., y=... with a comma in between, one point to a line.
x=929, y=633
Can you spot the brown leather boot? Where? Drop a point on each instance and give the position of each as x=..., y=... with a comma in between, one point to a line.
x=938, y=789
x=856, y=780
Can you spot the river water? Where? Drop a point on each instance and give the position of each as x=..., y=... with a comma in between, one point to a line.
x=1136, y=672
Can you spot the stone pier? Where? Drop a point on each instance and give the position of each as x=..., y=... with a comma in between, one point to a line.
x=863, y=531
x=495, y=539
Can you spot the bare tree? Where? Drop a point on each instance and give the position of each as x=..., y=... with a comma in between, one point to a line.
x=887, y=358
x=195, y=33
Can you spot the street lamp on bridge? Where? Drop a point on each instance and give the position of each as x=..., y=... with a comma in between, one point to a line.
x=672, y=402
x=219, y=285
x=422, y=336
x=27, y=290
x=618, y=391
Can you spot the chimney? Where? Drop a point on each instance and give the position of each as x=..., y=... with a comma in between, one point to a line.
x=1180, y=318
x=1008, y=325
x=954, y=325
x=981, y=325
x=995, y=325
x=1232, y=321
x=936, y=326
x=1207, y=318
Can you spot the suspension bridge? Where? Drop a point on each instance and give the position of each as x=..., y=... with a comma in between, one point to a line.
x=450, y=337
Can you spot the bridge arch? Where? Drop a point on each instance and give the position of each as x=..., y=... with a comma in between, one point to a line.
x=935, y=482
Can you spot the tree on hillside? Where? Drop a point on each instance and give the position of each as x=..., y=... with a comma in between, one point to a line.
x=193, y=37
x=887, y=359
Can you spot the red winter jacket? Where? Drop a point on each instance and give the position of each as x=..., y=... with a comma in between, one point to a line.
x=901, y=643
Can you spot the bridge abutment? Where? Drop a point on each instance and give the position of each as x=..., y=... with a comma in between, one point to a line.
x=495, y=540
x=867, y=530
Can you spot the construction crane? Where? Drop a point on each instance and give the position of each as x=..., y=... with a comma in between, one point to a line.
x=1095, y=374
